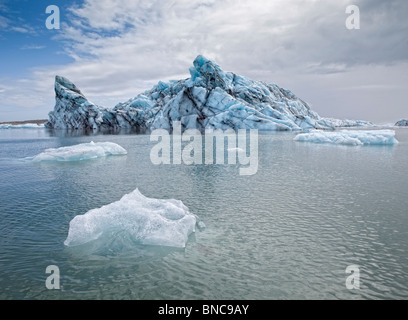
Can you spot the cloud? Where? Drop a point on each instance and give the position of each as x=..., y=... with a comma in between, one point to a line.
x=24, y=29
x=14, y=20
x=3, y=22
x=142, y=41
x=32, y=47
x=274, y=34
x=20, y=29
x=121, y=48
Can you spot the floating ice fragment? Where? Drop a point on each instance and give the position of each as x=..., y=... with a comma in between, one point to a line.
x=146, y=220
x=84, y=151
x=350, y=137
x=21, y=126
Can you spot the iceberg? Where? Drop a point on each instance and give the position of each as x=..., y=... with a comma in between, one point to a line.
x=145, y=220
x=21, y=126
x=210, y=99
x=84, y=151
x=402, y=123
x=350, y=137
x=346, y=123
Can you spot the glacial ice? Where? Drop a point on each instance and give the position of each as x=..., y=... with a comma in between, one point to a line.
x=84, y=151
x=21, y=126
x=345, y=123
x=350, y=137
x=146, y=220
x=210, y=99
x=402, y=123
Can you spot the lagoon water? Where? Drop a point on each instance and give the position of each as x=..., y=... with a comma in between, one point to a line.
x=287, y=232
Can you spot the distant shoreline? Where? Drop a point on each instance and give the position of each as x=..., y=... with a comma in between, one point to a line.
x=16, y=123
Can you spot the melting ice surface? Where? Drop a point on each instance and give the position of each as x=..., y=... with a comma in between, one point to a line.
x=350, y=137
x=146, y=220
x=80, y=152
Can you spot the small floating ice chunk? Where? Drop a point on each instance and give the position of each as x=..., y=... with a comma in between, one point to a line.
x=22, y=126
x=84, y=151
x=350, y=137
x=146, y=220
x=201, y=225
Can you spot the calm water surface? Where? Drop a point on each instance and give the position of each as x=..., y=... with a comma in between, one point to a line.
x=288, y=232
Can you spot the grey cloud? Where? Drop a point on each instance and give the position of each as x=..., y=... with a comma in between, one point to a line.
x=123, y=49
x=260, y=39
x=319, y=36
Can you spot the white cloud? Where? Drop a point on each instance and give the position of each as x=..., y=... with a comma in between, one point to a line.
x=3, y=22
x=132, y=44
x=20, y=29
x=156, y=38
x=32, y=47
x=123, y=47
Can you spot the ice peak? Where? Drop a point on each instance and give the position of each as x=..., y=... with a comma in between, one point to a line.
x=208, y=71
x=65, y=84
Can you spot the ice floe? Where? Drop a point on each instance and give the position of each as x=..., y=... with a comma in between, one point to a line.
x=350, y=137
x=146, y=220
x=83, y=151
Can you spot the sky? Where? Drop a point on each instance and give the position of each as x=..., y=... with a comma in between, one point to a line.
x=114, y=50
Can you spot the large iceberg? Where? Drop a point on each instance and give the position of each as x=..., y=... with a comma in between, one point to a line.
x=145, y=220
x=350, y=137
x=210, y=99
x=83, y=151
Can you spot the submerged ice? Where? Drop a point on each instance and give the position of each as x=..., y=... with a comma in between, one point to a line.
x=146, y=220
x=84, y=151
x=210, y=99
x=350, y=137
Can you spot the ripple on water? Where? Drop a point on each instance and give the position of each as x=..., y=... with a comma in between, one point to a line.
x=288, y=232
